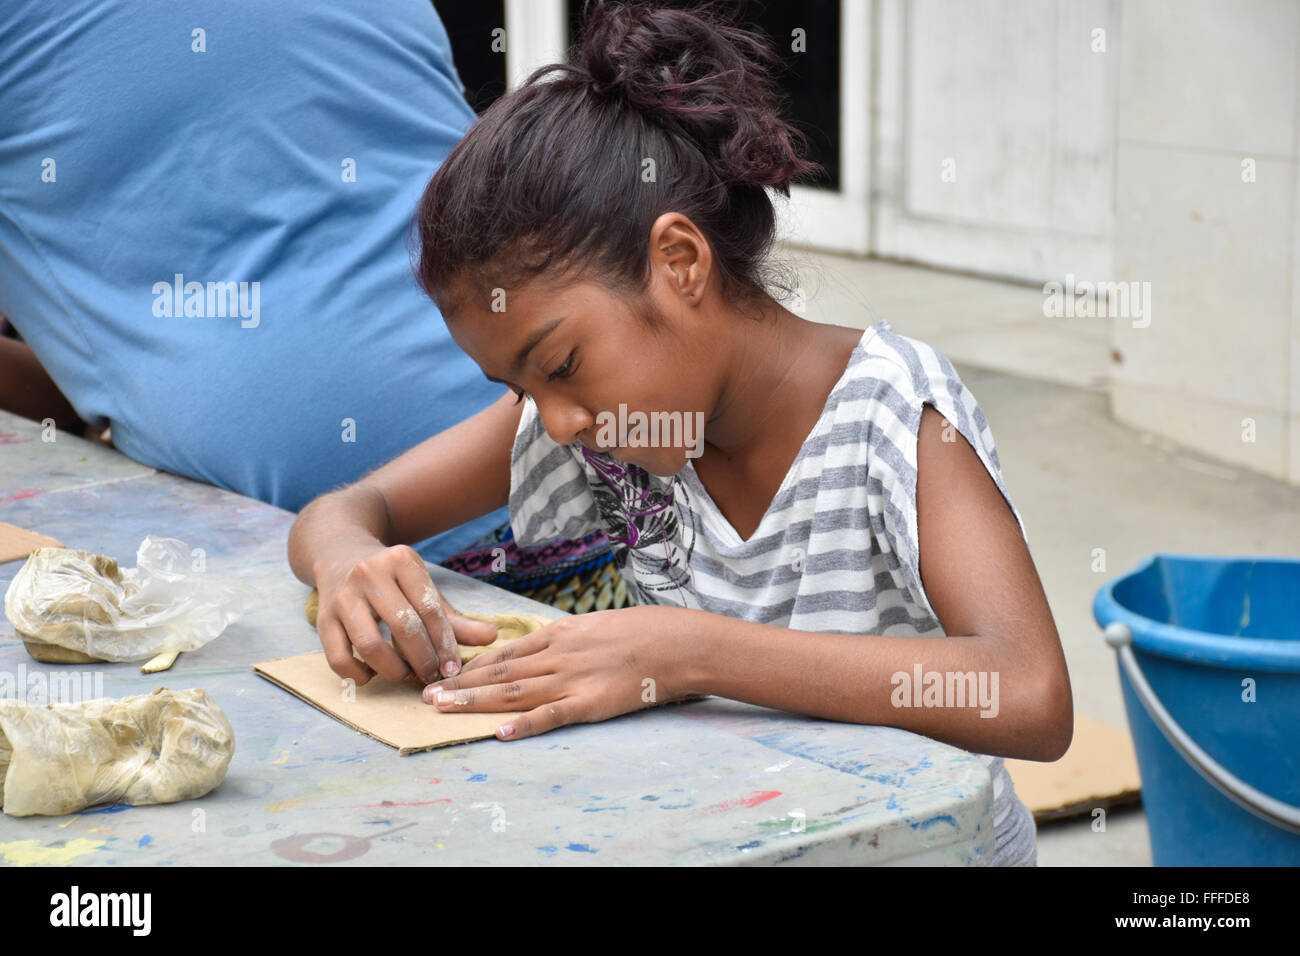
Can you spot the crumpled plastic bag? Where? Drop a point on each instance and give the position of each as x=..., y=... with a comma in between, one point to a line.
x=85, y=603
x=150, y=748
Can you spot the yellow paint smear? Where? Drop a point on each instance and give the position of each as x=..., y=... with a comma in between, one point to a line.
x=32, y=853
x=329, y=789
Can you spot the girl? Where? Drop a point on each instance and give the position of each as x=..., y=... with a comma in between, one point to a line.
x=839, y=542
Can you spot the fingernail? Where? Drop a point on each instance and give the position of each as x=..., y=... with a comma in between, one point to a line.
x=450, y=668
x=445, y=698
x=506, y=729
x=431, y=693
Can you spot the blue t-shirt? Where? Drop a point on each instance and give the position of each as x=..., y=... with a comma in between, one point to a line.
x=204, y=214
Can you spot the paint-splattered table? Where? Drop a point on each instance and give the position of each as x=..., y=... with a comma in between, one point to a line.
x=708, y=781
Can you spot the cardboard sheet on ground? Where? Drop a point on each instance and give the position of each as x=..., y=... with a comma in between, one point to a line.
x=392, y=712
x=18, y=543
x=1099, y=770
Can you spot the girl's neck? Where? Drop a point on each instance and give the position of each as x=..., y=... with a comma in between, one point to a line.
x=780, y=370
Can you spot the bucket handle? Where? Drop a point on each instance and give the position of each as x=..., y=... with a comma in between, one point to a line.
x=1119, y=636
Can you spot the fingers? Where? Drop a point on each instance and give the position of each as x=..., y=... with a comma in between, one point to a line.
x=537, y=721
x=393, y=585
x=338, y=651
x=538, y=697
x=504, y=671
x=438, y=634
x=363, y=631
x=468, y=630
x=410, y=635
x=521, y=647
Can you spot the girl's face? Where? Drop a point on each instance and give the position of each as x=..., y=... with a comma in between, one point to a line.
x=580, y=352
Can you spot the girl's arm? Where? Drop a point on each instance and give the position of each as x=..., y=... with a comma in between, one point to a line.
x=352, y=544
x=982, y=584
x=978, y=576
x=26, y=389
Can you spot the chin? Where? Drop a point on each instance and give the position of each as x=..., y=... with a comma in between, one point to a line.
x=664, y=469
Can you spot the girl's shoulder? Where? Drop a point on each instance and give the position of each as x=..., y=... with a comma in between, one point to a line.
x=879, y=398
x=888, y=361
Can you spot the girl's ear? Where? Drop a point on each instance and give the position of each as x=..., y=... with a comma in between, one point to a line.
x=679, y=247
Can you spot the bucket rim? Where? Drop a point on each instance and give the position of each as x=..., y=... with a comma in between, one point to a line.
x=1189, y=644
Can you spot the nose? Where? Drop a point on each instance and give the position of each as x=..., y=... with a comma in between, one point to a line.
x=564, y=419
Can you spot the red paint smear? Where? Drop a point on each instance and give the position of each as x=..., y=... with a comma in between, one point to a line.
x=753, y=800
x=22, y=493
x=392, y=803
x=11, y=438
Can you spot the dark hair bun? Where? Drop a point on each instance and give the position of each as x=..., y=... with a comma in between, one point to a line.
x=701, y=76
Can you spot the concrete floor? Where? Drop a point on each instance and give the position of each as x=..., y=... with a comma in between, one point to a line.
x=1080, y=480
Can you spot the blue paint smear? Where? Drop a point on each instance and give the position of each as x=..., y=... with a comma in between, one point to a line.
x=675, y=806
x=547, y=849
x=478, y=778
x=893, y=803
x=649, y=796
x=145, y=840
x=115, y=808
x=750, y=846
x=580, y=848
x=943, y=817
x=601, y=809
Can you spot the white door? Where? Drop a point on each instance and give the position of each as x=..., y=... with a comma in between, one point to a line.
x=995, y=135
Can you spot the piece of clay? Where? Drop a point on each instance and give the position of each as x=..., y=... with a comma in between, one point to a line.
x=89, y=588
x=510, y=627
x=53, y=654
x=72, y=606
x=150, y=748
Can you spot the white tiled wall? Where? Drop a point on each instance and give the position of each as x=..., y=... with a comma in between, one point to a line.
x=1203, y=85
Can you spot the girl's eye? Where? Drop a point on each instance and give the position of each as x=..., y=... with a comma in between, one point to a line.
x=564, y=371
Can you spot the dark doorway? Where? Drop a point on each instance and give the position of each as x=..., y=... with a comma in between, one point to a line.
x=811, y=79
x=469, y=28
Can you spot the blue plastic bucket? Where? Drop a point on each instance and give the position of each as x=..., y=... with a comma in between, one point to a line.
x=1196, y=639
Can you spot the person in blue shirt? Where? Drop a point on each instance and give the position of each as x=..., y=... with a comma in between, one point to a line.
x=204, y=215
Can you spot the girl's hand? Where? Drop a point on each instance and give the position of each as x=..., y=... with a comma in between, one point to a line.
x=390, y=585
x=578, y=669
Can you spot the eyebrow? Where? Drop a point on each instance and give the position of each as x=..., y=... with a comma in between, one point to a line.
x=533, y=341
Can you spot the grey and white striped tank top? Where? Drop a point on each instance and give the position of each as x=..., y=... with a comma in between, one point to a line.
x=836, y=551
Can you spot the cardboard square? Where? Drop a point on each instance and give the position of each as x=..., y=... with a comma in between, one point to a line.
x=18, y=543
x=392, y=712
x=1099, y=770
